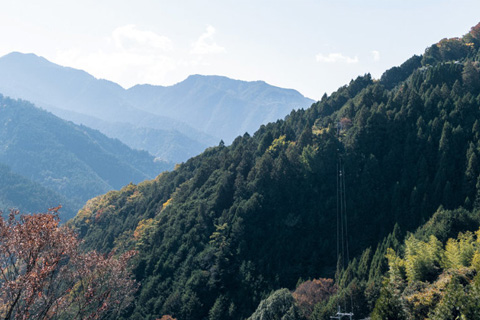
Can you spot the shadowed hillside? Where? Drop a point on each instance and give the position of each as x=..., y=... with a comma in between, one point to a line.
x=74, y=161
x=228, y=227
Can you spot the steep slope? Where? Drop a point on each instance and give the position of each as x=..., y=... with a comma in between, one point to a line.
x=407, y=276
x=166, y=145
x=431, y=274
x=72, y=160
x=231, y=225
x=35, y=79
x=219, y=106
x=17, y=192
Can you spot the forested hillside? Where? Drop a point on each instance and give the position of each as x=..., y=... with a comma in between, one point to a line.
x=74, y=161
x=21, y=193
x=228, y=227
x=431, y=276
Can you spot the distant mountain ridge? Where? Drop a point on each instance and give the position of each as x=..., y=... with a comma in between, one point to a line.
x=217, y=105
x=200, y=111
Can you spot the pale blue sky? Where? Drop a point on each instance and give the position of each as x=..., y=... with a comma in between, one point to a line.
x=311, y=46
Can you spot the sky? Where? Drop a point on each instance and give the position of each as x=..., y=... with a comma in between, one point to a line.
x=313, y=46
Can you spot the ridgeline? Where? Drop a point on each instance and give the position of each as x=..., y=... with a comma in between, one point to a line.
x=229, y=227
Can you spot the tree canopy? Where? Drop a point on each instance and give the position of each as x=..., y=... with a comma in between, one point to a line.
x=225, y=229
x=44, y=275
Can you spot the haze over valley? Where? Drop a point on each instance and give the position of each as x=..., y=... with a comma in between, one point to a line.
x=140, y=178
x=172, y=123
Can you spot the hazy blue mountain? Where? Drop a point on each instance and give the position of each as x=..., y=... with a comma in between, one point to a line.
x=35, y=79
x=18, y=192
x=222, y=107
x=173, y=123
x=167, y=145
x=79, y=97
x=72, y=160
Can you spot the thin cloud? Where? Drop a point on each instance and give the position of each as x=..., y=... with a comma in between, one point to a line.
x=125, y=67
x=130, y=38
x=336, y=58
x=206, y=44
x=376, y=55
x=131, y=55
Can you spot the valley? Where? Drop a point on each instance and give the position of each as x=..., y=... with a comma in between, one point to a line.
x=222, y=199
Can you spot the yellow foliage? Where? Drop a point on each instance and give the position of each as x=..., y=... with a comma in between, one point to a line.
x=422, y=258
x=396, y=265
x=129, y=188
x=142, y=227
x=218, y=237
x=477, y=234
x=147, y=183
x=320, y=130
x=427, y=297
x=86, y=212
x=102, y=204
x=167, y=203
x=277, y=143
x=459, y=252
x=135, y=195
x=476, y=261
x=436, y=274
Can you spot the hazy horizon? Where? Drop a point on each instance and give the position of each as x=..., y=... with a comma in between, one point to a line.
x=310, y=46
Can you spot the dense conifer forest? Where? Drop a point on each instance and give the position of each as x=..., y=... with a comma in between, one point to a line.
x=231, y=233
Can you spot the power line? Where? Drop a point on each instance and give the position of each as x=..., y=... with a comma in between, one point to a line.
x=343, y=253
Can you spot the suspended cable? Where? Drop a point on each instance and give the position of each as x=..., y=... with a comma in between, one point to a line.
x=346, y=225
x=343, y=252
x=338, y=220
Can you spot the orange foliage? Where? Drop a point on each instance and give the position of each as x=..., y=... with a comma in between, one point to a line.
x=345, y=123
x=167, y=317
x=311, y=292
x=475, y=32
x=44, y=273
x=142, y=227
x=167, y=203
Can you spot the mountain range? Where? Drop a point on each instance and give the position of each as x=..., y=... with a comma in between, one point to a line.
x=248, y=230
x=172, y=123
x=219, y=106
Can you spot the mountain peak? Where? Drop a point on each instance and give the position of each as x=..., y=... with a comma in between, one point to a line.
x=204, y=77
x=20, y=57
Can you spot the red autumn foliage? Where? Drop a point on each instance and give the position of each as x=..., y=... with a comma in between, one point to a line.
x=44, y=275
x=345, y=123
x=167, y=317
x=311, y=292
x=475, y=32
